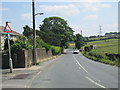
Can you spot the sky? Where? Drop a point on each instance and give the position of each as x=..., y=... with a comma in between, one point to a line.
x=80, y=15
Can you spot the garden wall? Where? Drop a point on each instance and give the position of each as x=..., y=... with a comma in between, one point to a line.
x=24, y=58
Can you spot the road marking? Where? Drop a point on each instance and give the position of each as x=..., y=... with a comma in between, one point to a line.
x=85, y=69
x=79, y=68
x=30, y=82
x=95, y=82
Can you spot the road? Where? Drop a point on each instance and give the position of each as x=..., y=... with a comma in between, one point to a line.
x=76, y=71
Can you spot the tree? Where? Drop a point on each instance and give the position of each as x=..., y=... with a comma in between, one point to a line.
x=27, y=31
x=49, y=37
x=57, y=30
x=79, y=41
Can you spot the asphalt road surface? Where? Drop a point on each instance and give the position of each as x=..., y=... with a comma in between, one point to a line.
x=76, y=71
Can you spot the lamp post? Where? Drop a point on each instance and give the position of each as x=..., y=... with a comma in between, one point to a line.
x=34, y=32
x=39, y=14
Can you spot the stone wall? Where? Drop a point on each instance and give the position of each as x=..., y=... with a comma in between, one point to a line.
x=42, y=54
x=24, y=58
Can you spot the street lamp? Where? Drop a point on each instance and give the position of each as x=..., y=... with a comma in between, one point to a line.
x=34, y=32
x=39, y=14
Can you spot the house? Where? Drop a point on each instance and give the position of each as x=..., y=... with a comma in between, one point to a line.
x=3, y=35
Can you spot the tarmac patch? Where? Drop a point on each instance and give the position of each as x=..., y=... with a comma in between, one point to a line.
x=20, y=76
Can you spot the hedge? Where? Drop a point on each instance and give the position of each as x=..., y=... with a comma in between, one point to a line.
x=19, y=45
x=55, y=50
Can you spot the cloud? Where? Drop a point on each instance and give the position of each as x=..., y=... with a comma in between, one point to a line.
x=26, y=16
x=4, y=9
x=105, y=5
x=91, y=1
x=89, y=7
x=66, y=10
x=61, y=0
x=91, y=17
x=94, y=6
x=74, y=9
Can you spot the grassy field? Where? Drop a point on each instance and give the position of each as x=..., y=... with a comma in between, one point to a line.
x=110, y=46
x=72, y=45
x=98, y=54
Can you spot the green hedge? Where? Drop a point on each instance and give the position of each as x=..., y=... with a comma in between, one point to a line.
x=87, y=48
x=92, y=53
x=19, y=45
x=27, y=44
x=55, y=50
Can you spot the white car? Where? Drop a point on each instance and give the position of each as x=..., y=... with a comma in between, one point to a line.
x=76, y=52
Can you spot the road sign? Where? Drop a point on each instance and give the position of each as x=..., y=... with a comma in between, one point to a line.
x=7, y=30
x=8, y=33
x=8, y=36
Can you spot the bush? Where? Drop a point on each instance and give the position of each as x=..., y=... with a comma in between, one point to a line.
x=87, y=48
x=23, y=38
x=38, y=41
x=19, y=45
x=55, y=50
x=91, y=53
x=46, y=46
x=41, y=44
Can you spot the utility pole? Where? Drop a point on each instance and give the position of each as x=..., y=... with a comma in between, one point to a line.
x=81, y=32
x=34, y=33
x=100, y=31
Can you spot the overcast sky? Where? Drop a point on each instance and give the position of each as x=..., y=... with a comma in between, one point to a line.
x=85, y=16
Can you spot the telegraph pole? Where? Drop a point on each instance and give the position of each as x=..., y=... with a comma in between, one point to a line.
x=81, y=32
x=100, y=30
x=34, y=33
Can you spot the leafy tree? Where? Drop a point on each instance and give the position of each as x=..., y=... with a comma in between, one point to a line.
x=27, y=31
x=56, y=31
x=23, y=38
x=79, y=41
x=49, y=37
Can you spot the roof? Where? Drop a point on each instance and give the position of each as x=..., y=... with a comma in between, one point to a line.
x=12, y=33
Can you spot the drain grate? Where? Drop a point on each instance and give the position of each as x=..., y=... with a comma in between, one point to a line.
x=20, y=76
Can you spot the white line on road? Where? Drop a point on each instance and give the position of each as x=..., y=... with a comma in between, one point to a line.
x=30, y=82
x=83, y=67
x=87, y=72
x=95, y=82
x=79, y=68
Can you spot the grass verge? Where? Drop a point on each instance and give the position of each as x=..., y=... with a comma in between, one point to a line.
x=102, y=60
x=103, y=47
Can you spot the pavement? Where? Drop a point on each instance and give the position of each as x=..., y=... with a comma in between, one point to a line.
x=21, y=77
